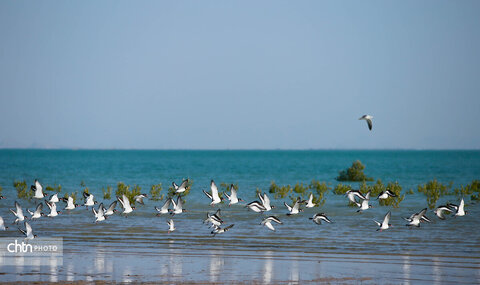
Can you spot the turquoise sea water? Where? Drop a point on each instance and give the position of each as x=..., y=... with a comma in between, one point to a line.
x=448, y=249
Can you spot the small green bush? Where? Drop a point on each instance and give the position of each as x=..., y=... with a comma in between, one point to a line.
x=472, y=189
x=433, y=190
x=107, y=192
x=279, y=191
x=23, y=191
x=55, y=188
x=128, y=190
x=341, y=189
x=354, y=173
x=155, y=192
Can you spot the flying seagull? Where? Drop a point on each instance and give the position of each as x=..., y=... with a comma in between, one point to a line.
x=367, y=118
x=385, y=224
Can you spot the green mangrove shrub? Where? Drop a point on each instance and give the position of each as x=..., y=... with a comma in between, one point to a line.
x=341, y=189
x=155, y=192
x=316, y=188
x=354, y=173
x=23, y=191
x=107, y=192
x=171, y=189
x=128, y=190
x=279, y=191
x=320, y=189
x=472, y=189
x=433, y=190
x=54, y=188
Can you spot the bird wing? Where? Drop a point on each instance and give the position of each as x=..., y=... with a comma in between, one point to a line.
x=214, y=189
x=112, y=206
x=39, y=208
x=260, y=196
x=175, y=185
x=184, y=184
x=386, y=220
x=19, y=209
x=266, y=200
x=288, y=207
x=165, y=205
x=208, y=194
x=369, y=122
x=28, y=229
x=269, y=226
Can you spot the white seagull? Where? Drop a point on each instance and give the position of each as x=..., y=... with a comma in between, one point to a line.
x=351, y=196
x=88, y=199
x=53, y=209
x=265, y=201
x=310, y=203
x=2, y=225
x=460, y=209
x=54, y=198
x=164, y=208
x=439, y=211
x=214, y=196
x=367, y=118
x=171, y=226
x=218, y=230
x=233, y=198
x=100, y=214
x=177, y=207
x=319, y=217
x=70, y=205
x=295, y=209
x=28, y=232
x=364, y=205
x=139, y=198
x=214, y=219
x=415, y=219
x=385, y=224
x=386, y=194
x=38, y=212
x=268, y=222
x=256, y=207
x=38, y=190
x=18, y=213
x=126, y=205
x=182, y=188
x=111, y=209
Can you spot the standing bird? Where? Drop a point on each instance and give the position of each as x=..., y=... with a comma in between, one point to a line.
x=233, y=198
x=38, y=190
x=214, y=195
x=182, y=188
x=171, y=226
x=319, y=217
x=268, y=222
x=265, y=201
x=127, y=209
x=385, y=224
x=18, y=213
x=367, y=118
x=28, y=232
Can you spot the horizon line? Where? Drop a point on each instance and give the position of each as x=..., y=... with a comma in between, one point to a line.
x=242, y=149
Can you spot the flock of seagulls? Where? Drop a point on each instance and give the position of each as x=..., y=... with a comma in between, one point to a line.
x=174, y=207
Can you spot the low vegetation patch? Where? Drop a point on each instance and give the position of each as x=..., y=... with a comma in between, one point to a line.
x=127, y=190
x=54, y=188
x=315, y=187
x=23, y=191
x=433, y=190
x=354, y=173
x=155, y=192
x=107, y=192
x=472, y=190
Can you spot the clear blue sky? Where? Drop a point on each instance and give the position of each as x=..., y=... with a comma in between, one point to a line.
x=239, y=74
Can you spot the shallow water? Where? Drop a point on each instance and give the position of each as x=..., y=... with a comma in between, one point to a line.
x=350, y=250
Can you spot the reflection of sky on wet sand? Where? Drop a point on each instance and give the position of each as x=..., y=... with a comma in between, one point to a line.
x=406, y=268
x=268, y=267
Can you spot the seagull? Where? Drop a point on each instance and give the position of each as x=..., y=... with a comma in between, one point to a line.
x=177, y=207
x=126, y=205
x=2, y=197
x=171, y=226
x=295, y=209
x=38, y=190
x=88, y=199
x=439, y=211
x=18, y=213
x=38, y=212
x=54, y=198
x=164, y=208
x=111, y=209
x=364, y=205
x=310, y=203
x=268, y=222
x=385, y=224
x=367, y=118
x=351, y=196
x=182, y=188
x=386, y=194
x=100, y=214
x=28, y=231
x=139, y=198
x=214, y=219
x=317, y=218
x=415, y=219
x=460, y=209
x=256, y=207
x=233, y=196
x=53, y=209
x=70, y=204
x=2, y=225
x=214, y=196
x=265, y=201
x=218, y=230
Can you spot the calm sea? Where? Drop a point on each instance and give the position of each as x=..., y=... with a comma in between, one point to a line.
x=138, y=248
